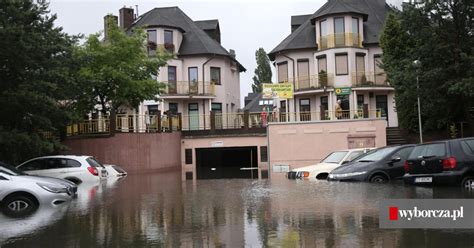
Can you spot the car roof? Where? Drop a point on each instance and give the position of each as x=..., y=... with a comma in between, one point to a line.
x=63, y=156
x=356, y=149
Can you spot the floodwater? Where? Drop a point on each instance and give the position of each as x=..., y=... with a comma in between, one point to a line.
x=161, y=211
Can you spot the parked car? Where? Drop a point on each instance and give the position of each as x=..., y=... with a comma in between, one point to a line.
x=115, y=170
x=76, y=169
x=378, y=166
x=21, y=194
x=448, y=162
x=329, y=163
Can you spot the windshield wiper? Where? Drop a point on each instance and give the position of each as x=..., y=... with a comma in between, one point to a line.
x=429, y=156
x=365, y=161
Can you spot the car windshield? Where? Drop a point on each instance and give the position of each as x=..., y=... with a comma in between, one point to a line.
x=10, y=170
x=335, y=157
x=376, y=155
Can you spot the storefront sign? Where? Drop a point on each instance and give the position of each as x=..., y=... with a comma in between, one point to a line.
x=217, y=143
x=342, y=91
x=281, y=91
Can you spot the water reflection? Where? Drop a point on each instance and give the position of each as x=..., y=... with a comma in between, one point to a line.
x=160, y=210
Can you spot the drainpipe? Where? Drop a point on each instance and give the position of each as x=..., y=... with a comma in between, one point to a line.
x=294, y=69
x=203, y=81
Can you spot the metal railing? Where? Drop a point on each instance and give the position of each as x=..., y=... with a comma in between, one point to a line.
x=133, y=123
x=89, y=127
x=362, y=78
x=189, y=88
x=340, y=40
x=313, y=82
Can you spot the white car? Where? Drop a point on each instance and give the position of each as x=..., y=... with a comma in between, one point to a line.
x=115, y=171
x=76, y=169
x=21, y=194
x=331, y=162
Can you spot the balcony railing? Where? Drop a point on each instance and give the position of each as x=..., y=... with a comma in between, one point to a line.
x=340, y=40
x=313, y=82
x=132, y=123
x=362, y=78
x=189, y=88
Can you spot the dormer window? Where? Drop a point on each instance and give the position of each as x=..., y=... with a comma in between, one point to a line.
x=323, y=31
x=151, y=42
x=169, y=45
x=339, y=39
x=355, y=31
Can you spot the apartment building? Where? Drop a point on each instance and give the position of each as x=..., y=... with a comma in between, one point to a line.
x=201, y=77
x=334, y=54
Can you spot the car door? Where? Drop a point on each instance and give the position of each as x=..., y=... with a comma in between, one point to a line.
x=394, y=166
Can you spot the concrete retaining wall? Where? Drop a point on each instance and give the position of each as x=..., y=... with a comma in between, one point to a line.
x=135, y=152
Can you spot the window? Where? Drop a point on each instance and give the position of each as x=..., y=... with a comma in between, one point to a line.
x=403, y=153
x=341, y=64
x=2, y=178
x=335, y=157
x=169, y=46
x=94, y=163
x=339, y=38
x=379, y=72
x=303, y=73
x=216, y=107
x=188, y=156
x=193, y=80
x=323, y=30
x=38, y=164
x=429, y=150
x=360, y=101
x=305, y=110
x=173, y=108
x=325, y=102
x=355, y=31
x=172, y=87
x=468, y=146
x=263, y=154
x=152, y=42
x=361, y=78
x=216, y=75
x=322, y=64
x=282, y=72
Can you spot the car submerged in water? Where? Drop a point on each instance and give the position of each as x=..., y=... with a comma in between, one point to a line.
x=379, y=166
x=333, y=160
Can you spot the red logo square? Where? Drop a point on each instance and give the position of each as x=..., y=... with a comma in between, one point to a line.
x=393, y=213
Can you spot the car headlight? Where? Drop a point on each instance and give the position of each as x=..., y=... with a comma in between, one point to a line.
x=53, y=188
x=352, y=174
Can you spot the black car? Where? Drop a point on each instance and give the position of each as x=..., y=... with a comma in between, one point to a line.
x=448, y=162
x=378, y=166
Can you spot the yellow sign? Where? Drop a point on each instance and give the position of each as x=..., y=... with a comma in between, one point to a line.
x=281, y=91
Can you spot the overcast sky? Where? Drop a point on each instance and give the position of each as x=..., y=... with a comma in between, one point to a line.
x=245, y=25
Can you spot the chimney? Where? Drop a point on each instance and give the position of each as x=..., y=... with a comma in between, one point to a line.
x=232, y=53
x=108, y=21
x=126, y=17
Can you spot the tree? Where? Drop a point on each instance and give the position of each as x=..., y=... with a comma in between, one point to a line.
x=118, y=71
x=263, y=72
x=35, y=59
x=440, y=35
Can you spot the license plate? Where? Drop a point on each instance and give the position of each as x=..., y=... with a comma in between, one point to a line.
x=423, y=180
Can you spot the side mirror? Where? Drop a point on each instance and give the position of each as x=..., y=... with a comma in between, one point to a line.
x=396, y=159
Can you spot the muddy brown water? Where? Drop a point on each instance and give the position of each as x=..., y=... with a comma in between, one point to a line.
x=159, y=210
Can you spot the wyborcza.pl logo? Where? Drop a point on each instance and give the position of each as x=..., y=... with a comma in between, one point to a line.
x=427, y=213
x=410, y=214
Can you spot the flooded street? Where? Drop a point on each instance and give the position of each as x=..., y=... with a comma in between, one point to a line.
x=160, y=210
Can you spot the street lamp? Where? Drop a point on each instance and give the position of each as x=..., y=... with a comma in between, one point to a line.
x=417, y=65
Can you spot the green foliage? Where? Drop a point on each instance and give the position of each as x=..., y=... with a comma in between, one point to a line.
x=263, y=72
x=117, y=72
x=439, y=34
x=35, y=59
x=323, y=78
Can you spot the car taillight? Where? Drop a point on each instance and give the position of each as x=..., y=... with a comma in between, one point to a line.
x=406, y=166
x=449, y=163
x=93, y=171
x=305, y=174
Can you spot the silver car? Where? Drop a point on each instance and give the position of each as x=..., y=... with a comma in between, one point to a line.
x=21, y=194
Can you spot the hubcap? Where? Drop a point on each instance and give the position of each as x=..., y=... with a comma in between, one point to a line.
x=18, y=205
x=378, y=180
x=469, y=184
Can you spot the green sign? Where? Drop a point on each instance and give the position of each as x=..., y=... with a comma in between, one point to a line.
x=342, y=91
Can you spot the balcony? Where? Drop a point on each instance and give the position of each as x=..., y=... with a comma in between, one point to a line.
x=369, y=79
x=340, y=40
x=313, y=82
x=189, y=88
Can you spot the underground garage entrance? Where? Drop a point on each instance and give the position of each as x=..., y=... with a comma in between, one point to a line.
x=226, y=162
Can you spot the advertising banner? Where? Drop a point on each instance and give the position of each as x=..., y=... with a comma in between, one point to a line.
x=280, y=91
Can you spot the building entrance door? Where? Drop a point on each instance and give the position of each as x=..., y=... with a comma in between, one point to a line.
x=193, y=113
x=382, y=105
